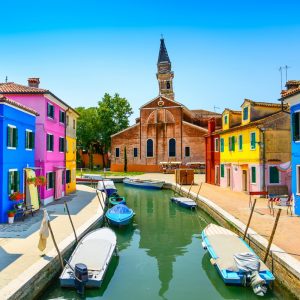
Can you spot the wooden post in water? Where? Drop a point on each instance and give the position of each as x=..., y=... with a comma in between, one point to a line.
x=100, y=199
x=272, y=235
x=249, y=220
x=190, y=188
x=54, y=242
x=66, y=205
x=199, y=189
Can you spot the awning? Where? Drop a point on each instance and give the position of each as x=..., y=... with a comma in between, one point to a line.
x=285, y=167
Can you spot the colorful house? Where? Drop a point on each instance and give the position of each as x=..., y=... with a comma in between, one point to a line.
x=50, y=133
x=212, y=158
x=71, y=123
x=292, y=97
x=17, y=127
x=253, y=142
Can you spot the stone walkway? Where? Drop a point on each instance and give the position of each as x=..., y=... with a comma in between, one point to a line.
x=287, y=235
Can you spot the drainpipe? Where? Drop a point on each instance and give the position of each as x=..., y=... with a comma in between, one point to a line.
x=263, y=146
x=66, y=151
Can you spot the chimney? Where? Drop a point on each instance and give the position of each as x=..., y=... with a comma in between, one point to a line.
x=292, y=84
x=211, y=125
x=33, y=82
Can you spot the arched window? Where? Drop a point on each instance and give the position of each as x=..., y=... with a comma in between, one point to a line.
x=149, y=148
x=172, y=148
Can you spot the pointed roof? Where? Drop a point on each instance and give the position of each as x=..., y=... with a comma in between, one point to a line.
x=163, y=53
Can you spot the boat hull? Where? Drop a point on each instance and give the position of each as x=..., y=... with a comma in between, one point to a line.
x=113, y=200
x=119, y=222
x=144, y=184
x=184, y=202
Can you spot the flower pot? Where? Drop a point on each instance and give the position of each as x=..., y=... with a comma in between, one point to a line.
x=11, y=219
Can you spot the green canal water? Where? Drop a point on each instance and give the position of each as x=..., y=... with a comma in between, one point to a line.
x=160, y=257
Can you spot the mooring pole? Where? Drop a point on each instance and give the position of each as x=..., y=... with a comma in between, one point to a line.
x=190, y=188
x=272, y=235
x=54, y=242
x=199, y=189
x=99, y=198
x=66, y=205
x=249, y=220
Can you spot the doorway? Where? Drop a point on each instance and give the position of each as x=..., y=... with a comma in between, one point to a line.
x=228, y=178
x=245, y=181
x=217, y=174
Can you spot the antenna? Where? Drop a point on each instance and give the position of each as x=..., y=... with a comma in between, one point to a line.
x=286, y=72
x=280, y=70
x=6, y=79
x=215, y=108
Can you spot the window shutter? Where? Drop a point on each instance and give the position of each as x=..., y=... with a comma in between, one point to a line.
x=222, y=171
x=222, y=144
x=8, y=137
x=296, y=127
x=17, y=180
x=233, y=143
x=48, y=110
x=253, y=174
x=32, y=140
x=15, y=135
x=9, y=182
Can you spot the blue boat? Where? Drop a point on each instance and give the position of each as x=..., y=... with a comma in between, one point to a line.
x=184, y=202
x=235, y=260
x=115, y=199
x=119, y=215
x=107, y=186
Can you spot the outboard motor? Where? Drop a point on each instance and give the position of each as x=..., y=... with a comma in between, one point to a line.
x=81, y=277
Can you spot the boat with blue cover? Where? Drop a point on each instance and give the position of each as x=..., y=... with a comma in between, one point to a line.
x=116, y=199
x=184, y=202
x=235, y=260
x=146, y=184
x=119, y=215
x=107, y=186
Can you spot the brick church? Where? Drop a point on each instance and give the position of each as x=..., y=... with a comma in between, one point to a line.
x=166, y=130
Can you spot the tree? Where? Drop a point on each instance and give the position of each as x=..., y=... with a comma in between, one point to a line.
x=114, y=113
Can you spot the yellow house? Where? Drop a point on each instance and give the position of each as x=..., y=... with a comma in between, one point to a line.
x=71, y=123
x=252, y=142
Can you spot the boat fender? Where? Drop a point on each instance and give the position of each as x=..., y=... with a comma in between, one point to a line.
x=212, y=261
x=204, y=246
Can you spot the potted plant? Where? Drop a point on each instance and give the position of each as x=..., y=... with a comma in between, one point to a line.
x=16, y=196
x=37, y=181
x=11, y=215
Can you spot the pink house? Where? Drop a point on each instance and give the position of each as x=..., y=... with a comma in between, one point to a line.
x=50, y=134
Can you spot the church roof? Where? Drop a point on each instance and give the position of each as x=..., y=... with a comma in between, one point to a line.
x=163, y=53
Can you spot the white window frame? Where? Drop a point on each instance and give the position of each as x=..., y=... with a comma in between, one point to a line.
x=215, y=142
x=253, y=149
x=27, y=130
x=50, y=118
x=61, y=137
x=47, y=181
x=270, y=175
x=47, y=141
x=11, y=126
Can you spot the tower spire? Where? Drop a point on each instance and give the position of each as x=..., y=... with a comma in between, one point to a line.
x=164, y=73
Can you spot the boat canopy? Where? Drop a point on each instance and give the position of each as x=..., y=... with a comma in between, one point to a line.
x=120, y=209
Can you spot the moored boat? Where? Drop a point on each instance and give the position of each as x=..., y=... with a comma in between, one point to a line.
x=235, y=260
x=115, y=199
x=90, y=260
x=147, y=184
x=119, y=215
x=107, y=186
x=184, y=202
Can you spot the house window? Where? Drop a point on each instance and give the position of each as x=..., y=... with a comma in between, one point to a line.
x=226, y=119
x=187, y=151
x=149, y=148
x=296, y=126
x=298, y=179
x=62, y=116
x=168, y=85
x=29, y=139
x=61, y=145
x=217, y=147
x=222, y=144
x=50, y=180
x=274, y=175
x=12, y=136
x=68, y=176
x=253, y=174
x=252, y=140
x=13, y=181
x=222, y=171
x=240, y=142
x=135, y=152
x=50, y=110
x=50, y=143
x=74, y=124
x=231, y=141
x=117, y=152
x=245, y=113
x=172, y=148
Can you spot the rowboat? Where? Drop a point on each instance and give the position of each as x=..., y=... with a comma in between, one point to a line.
x=119, y=215
x=115, y=199
x=184, y=202
x=235, y=260
x=90, y=259
x=107, y=186
x=147, y=184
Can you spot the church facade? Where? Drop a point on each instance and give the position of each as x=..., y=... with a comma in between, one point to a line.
x=165, y=131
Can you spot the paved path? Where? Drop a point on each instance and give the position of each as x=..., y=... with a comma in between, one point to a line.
x=18, y=250
x=287, y=236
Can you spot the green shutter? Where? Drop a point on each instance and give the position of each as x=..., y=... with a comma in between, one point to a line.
x=253, y=174
x=240, y=142
x=9, y=182
x=15, y=135
x=32, y=140
x=8, y=137
x=233, y=143
x=51, y=143
x=222, y=171
x=17, y=181
x=253, y=140
x=274, y=175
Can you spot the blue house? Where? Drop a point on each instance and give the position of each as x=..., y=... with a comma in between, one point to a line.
x=292, y=97
x=17, y=132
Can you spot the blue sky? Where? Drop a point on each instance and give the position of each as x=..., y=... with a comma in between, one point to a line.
x=221, y=51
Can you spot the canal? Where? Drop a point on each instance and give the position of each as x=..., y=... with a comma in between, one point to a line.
x=160, y=257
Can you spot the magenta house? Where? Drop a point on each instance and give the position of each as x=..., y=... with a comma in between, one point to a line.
x=50, y=134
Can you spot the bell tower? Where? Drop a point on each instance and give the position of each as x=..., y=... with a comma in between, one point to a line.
x=164, y=73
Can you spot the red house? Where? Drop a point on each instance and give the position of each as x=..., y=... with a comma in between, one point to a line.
x=212, y=153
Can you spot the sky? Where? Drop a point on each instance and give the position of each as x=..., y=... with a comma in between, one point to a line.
x=221, y=51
